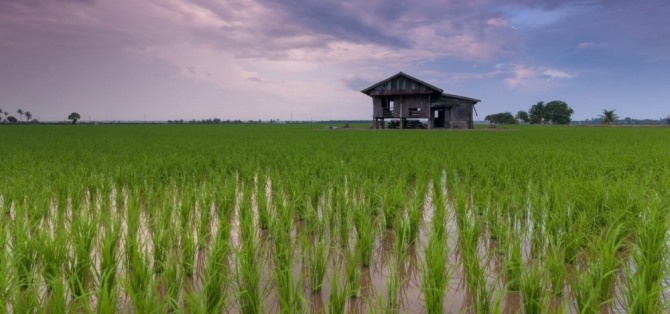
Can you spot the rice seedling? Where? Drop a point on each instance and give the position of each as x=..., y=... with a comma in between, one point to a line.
x=650, y=258
x=414, y=212
x=392, y=205
x=365, y=232
x=353, y=272
x=139, y=282
x=393, y=286
x=556, y=271
x=215, y=277
x=262, y=202
x=23, y=248
x=337, y=299
x=188, y=245
x=317, y=258
x=514, y=265
x=435, y=274
x=173, y=281
x=107, y=276
x=533, y=290
x=249, y=265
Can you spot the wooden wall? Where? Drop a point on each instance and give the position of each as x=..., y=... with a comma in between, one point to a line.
x=461, y=116
x=417, y=105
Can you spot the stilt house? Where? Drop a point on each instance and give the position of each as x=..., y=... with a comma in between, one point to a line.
x=403, y=98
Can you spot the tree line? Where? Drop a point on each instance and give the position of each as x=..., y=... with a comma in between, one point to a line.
x=553, y=112
x=27, y=117
x=24, y=117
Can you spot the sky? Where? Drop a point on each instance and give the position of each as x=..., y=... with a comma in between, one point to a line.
x=309, y=59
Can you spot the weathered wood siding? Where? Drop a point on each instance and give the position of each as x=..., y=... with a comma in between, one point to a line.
x=400, y=86
x=416, y=106
x=377, y=107
x=461, y=116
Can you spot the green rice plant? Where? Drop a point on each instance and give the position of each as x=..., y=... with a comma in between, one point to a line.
x=344, y=223
x=317, y=260
x=469, y=231
x=173, y=284
x=6, y=274
x=107, y=275
x=393, y=286
x=249, y=265
x=533, y=290
x=83, y=230
x=215, y=278
x=337, y=299
x=161, y=234
x=435, y=274
x=288, y=290
x=204, y=213
x=392, y=204
x=188, y=245
x=650, y=256
x=52, y=254
x=139, y=283
x=438, y=223
x=25, y=300
x=353, y=272
x=554, y=264
x=365, y=232
x=414, y=212
x=57, y=297
x=262, y=202
x=23, y=250
x=513, y=264
x=585, y=287
x=607, y=258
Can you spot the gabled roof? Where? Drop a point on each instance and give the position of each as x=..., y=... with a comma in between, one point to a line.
x=368, y=90
x=461, y=97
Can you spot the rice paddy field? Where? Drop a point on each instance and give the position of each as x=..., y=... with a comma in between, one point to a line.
x=288, y=219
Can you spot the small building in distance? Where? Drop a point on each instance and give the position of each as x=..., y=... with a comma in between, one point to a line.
x=404, y=99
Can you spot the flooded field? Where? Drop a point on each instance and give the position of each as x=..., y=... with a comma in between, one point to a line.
x=265, y=219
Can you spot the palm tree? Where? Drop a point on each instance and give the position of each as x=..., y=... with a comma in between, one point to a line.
x=28, y=115
x=20, y=112
x=609, y=116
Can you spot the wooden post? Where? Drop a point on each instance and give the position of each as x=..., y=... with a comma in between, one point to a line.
x=402, y=126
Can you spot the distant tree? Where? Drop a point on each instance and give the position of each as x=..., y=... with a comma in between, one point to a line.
x=522, y=116
x=558, y=112
x=74, y=117
x=20, y=112
x=537, y=114
x=28, y=115
x=12, y=119
x=501, y=118
x=609, y=116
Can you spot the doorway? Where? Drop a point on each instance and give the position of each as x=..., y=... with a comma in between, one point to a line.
x=438, y=118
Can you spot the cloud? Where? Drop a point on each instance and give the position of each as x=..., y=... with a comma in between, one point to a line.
x=302, y=51
x=534, y=77
x=590, y=45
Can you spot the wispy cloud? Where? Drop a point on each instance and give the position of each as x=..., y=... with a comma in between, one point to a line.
x=590, y=45
x=534, y=77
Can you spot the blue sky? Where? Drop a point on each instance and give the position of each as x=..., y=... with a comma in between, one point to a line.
x=249, y=59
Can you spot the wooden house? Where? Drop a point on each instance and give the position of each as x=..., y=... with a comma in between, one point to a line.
x=404, y=98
